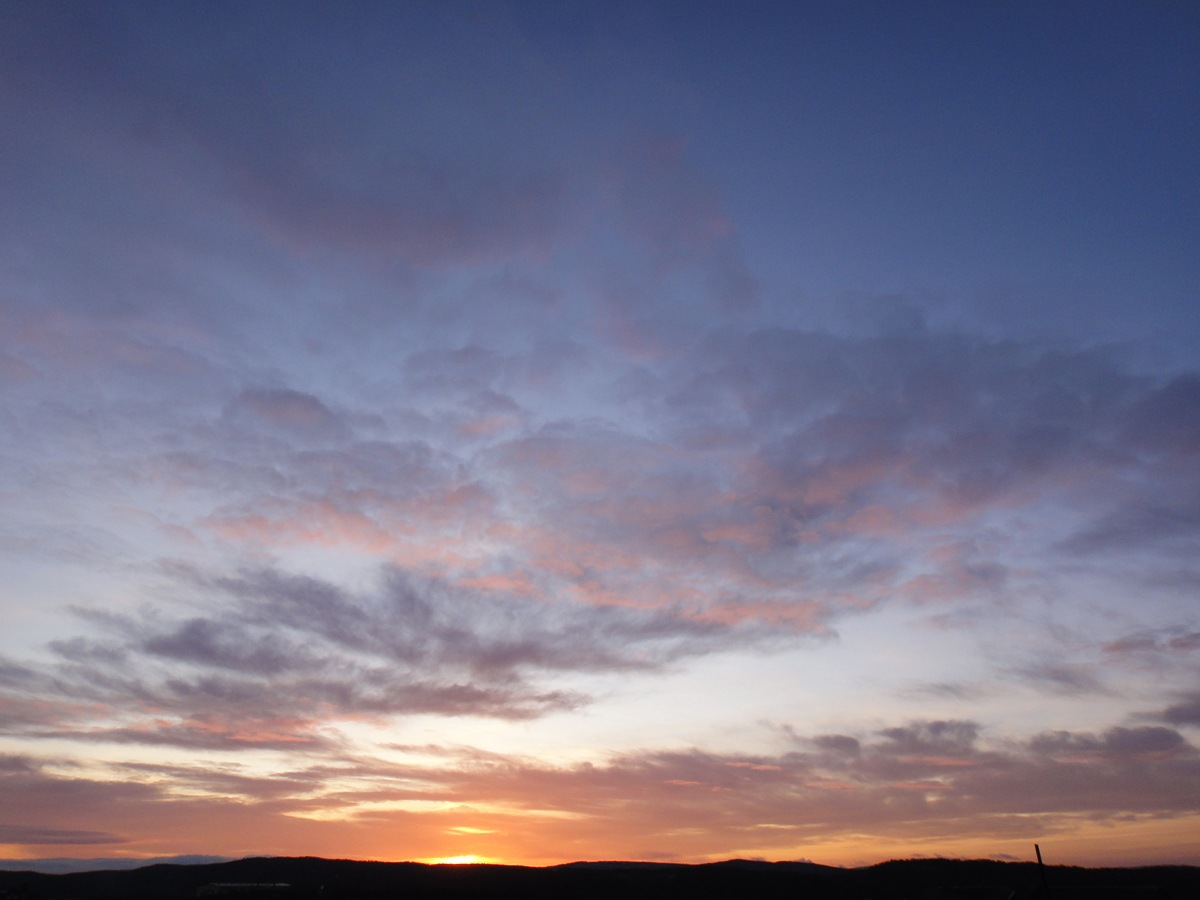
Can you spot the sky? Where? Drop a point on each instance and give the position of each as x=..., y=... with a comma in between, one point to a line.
x=532, y=432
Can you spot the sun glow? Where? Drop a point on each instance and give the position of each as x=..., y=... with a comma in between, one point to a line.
x=466, y=860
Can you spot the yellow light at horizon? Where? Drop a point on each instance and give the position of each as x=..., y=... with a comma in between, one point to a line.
x=466, y=860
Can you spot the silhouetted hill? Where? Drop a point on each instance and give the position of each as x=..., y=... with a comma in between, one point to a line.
x=65, y=864
x=310, y=878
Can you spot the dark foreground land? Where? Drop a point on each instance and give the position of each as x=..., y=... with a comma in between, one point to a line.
x=279, y=878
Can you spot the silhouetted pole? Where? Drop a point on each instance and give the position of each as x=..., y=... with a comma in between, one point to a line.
x=1041, y=865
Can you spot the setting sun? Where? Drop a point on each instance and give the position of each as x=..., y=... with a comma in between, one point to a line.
x=466, y=860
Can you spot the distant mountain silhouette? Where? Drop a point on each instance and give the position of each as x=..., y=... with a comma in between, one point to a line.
x=310, y=878
x=62, y=865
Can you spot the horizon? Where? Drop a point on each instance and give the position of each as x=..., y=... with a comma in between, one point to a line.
x=528, y=431
x=68, y=865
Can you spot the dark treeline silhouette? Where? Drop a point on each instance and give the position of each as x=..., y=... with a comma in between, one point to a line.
x=309, y=878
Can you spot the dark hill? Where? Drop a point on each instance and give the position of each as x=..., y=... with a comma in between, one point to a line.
x=309, y=878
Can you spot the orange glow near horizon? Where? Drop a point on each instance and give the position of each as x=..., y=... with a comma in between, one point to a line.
x=1132, y=843
x=467, y=860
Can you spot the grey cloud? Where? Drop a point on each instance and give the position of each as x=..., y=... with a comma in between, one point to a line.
x=101, y=809
x=29, y=786
x=205, y=470
x=188, y=208
x=1167, y=419
x=920, y=779
x=288, y=411
x=865, y=437
x=972, y=415
x=677, y=216
x=87, y=138
x=345, y=689
x=1117, y=742
x=1136, y=741
x=276, y=655
x=217, y=645
x=838, y=743
x=433, y=624
x=14, y=674
x=951, y=737
x=946, y=690
x=1186, y=712
x=320, y=485
x=1064, y=678
x=229, y=780
x=10, y=763
x=40, y=698
x=274, y=479
x=431, y=213
x=407, y=199
x=1158, y=644
x=398, y=467
x=201, y=732
x=89, y=651
x=801, y=456
x=1141, y=523
x=25, y=834
x=816, y=458
x=959, y=400
x=1134, y=643
x=468, y=389
x=1185, y=642
x=795, y=488
x=637, y=518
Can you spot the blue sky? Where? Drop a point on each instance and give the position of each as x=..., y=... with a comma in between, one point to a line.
x=539, y=432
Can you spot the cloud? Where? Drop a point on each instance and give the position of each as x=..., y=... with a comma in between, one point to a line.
x=277, y=660
x=1156, y=645
x=942, y=782
x=943, y=414
x=1064, y=678
x=872, y=439
x=433, y=212
x=1165, y=420
x=772, y=469
x=111, y=805
x=943, y=738
x=1184, y=713
x=1140, y=524
x=287, y=411
x=778, y=480
x=790, y=476
x=360, y=183
x=667, y=252
x=343, y=395
x=922, y=779
x=46, y=799
x=1124, y=743
x=20, y=834
x=676, y=216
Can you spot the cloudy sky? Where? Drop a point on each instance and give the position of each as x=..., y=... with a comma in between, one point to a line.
x=538, y=432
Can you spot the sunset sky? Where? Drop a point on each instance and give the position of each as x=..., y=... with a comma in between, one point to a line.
x=538, y=432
